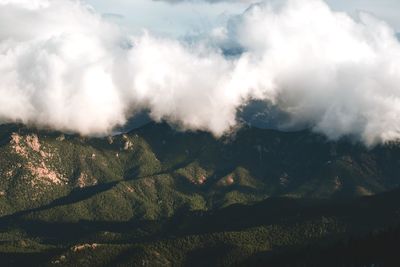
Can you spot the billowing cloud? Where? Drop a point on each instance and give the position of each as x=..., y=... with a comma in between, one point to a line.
x=63, y=66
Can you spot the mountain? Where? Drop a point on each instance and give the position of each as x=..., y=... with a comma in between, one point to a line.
x=157, y=196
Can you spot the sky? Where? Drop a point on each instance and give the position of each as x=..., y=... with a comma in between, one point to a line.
x=165, y=18
x=190, y=17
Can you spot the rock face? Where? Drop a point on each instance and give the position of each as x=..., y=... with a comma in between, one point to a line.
x=85, y=180
x=36, y=159
x=33, y=143
x=43, y=174
x=17, y=146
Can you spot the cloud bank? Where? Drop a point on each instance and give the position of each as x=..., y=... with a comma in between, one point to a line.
x=63, y=66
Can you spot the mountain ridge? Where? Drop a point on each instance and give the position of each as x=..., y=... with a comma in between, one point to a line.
x=195, y=167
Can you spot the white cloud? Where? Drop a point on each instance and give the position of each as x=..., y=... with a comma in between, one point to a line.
x=74, y=71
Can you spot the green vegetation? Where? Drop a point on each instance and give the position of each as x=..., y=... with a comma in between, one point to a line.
x=158, y=197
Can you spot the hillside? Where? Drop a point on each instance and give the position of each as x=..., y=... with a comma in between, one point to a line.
x=274, y=232
x=174, y=198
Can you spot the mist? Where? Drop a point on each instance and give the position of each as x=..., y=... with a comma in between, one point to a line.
x=64, y=66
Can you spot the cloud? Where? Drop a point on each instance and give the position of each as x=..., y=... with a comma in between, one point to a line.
x=72, y=70
x=326, y=70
